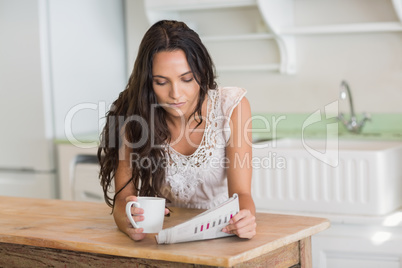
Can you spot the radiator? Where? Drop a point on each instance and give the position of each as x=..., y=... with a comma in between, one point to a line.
x=364, y=182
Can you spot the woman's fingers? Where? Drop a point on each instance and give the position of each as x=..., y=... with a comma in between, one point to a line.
x=246, y=232
x=136, y=234
x=242, y=224
x=240, y=220
x=167, y=212
x=137, y=218
x=137, y=214
x=136, y=211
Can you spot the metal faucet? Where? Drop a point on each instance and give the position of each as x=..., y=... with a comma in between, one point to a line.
x=352, y=125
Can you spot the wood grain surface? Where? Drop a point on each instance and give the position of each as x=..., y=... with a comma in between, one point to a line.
x=89, y=228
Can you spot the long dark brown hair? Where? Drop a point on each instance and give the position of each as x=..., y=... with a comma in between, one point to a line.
x=130, y=117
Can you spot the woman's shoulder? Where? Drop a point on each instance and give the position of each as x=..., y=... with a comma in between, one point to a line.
x=229, y=98
x=231, y=92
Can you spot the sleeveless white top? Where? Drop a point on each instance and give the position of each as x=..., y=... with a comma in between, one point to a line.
x=199, y=180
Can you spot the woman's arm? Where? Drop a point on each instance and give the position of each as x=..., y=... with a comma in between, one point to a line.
x=123, y=175
x=239, y=154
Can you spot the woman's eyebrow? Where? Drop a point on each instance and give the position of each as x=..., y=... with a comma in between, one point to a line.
x=186, y=73
x=164, y=77
x=159, y=76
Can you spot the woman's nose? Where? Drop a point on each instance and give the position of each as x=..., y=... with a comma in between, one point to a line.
x=174, y=91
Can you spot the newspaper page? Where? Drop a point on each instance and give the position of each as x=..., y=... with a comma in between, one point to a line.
x=207, y=225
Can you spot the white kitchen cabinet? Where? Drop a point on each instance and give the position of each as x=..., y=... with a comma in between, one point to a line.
x=342, y=17
x=267, y=29
x=358, y=246
x=356, y=241
x=87, y=57
x=56, y=57
x=68, y=157
x=86, y=183
x=227, y=27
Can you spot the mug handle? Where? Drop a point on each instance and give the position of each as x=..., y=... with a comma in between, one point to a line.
x=128, y=212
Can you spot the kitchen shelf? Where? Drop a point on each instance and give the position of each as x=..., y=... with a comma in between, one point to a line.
x=344, y=28
x=174, y=9
x=183, y=5
x=278, y=16
x=256, y=67
x=397, y=5
x=277, y=24
x=240, y=37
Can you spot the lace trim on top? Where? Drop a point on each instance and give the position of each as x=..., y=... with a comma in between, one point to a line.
x=199, y=180
x=185, y=172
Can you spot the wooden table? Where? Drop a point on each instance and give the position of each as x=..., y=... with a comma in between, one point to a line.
x=56, y=233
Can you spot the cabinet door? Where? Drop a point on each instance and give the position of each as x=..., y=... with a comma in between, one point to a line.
x=67, y=159
x=347, y=260
x=28, y=184
x=355, y=252
x=26, y=138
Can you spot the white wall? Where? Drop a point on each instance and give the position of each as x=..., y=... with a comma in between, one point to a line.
x=370, y=62
x=136, y=26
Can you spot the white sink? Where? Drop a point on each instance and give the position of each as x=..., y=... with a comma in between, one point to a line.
x=347, y=177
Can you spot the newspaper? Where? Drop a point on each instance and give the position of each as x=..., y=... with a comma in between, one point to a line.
x=207, y=225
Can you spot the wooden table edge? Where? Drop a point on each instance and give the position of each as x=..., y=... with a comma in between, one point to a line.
x=224, y=261
x=276, y=244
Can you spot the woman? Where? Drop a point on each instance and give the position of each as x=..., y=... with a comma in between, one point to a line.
x=173, y=133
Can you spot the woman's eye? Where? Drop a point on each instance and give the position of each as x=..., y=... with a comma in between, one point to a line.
x=160, y=83
x=188, y=80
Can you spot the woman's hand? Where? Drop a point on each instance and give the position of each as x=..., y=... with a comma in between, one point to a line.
x=242, y=224
x=136, y=233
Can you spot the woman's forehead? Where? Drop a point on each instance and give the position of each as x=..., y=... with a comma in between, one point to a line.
x=170, y=62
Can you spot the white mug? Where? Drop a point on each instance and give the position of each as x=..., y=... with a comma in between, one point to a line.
x=154, y=213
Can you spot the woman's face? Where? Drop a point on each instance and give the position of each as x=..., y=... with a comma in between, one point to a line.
x=174, y=84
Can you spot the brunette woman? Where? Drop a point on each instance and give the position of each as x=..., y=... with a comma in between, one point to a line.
x=174, y=133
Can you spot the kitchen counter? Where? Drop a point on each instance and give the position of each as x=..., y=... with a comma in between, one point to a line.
x=267, y=126
x=38, y=232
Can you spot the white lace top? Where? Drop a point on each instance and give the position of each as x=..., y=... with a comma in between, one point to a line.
x=199, y=180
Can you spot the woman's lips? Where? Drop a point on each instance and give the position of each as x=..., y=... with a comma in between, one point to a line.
x=177, y=104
